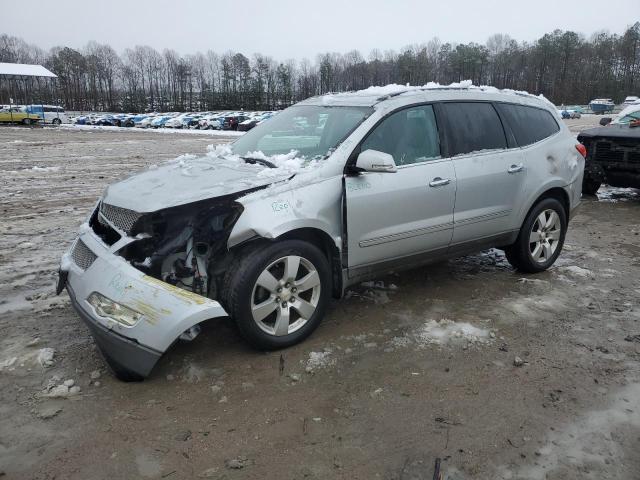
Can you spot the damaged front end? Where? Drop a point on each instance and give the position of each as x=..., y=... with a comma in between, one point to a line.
x=142, y=280
x=185, y=246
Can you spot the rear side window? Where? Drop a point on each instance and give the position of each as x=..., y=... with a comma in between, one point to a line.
x=528, y=124
x=472, y=127
x=409, y=135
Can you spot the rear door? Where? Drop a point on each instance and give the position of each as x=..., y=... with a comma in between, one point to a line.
x=394, y=215
x=490, y=174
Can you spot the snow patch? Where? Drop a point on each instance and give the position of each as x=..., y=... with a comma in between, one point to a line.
x=171, y=131
x=319, y=360
x=45, y=356
x=43, y=169
x=447, y=331
x=590, y=444
x=443, y=332
x=577, y=271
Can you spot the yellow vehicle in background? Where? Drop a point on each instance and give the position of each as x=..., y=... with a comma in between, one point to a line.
x=18, y=115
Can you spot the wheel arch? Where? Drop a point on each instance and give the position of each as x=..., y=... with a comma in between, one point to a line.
x=317, y=237
x=558, y=192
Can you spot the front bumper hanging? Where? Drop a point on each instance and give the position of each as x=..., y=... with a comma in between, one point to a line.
x=167, y=311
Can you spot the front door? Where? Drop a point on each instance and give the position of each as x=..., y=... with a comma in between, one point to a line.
x=396, y=215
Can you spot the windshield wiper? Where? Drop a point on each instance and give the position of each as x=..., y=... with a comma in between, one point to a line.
x=261, y=161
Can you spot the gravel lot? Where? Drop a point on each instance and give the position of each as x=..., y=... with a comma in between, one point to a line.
x=535, y=376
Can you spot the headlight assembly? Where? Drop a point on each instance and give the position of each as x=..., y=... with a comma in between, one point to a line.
x=107, y=308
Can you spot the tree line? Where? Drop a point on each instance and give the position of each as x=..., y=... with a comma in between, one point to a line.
x=564, y=66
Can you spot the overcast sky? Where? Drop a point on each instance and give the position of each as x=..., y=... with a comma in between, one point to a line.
x=301, y=28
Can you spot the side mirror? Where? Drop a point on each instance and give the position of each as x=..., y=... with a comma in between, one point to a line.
x=375, y=161
x=605, y=121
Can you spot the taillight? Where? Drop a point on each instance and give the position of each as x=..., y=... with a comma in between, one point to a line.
x=582, y=149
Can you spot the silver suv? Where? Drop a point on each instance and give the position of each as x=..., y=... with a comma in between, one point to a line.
x=334, y=190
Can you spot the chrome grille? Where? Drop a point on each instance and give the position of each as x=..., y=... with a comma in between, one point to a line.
x=82, y=256
x=122, y=218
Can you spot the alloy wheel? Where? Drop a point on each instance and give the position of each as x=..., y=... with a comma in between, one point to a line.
x=285, y=295
x=545, y=236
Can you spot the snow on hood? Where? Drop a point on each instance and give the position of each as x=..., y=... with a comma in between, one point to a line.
x=189, y=178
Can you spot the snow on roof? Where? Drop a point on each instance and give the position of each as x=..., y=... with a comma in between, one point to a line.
x=25, y=70
x=376, y=94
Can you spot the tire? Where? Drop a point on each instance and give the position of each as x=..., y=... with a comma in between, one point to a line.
x=590, y=186
x=26, y=121
x=289, y=314
x=533, y=257
x=120, y=372
x=56, y=121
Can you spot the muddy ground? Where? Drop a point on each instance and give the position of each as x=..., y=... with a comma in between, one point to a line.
x=372, y=394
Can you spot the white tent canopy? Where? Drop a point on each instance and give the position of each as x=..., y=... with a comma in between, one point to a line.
x=20, y=70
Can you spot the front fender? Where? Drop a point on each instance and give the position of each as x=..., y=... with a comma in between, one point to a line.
x=273, y=212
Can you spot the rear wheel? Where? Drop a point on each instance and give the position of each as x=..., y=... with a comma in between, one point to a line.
x=590, y=186
x=541, y=237
x=278, y=295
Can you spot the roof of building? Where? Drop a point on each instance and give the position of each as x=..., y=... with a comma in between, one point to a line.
x=18, y=70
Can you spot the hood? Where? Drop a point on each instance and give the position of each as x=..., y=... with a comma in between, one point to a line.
x=612, y=131
x=188, y=179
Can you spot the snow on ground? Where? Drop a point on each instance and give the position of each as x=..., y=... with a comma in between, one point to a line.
x=576, y=271
x=319, y=360
x=444, y=332
x=589, y=445
x=616, y=194
x=181, y=131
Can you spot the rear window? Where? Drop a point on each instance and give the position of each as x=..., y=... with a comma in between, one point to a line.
x=528, y=124
x=472, y=127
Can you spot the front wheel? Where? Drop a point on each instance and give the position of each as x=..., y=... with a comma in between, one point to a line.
x=541, y=237
x=278, y=294
x=26, y=121
x=56, y=121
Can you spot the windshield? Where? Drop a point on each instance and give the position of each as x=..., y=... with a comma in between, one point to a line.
x=311, y=131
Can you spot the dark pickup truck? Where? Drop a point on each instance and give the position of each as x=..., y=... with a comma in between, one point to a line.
x=613, y=157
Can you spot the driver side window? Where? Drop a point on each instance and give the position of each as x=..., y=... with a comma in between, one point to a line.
x=409, y=135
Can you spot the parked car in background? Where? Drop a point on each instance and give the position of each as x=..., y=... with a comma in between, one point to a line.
x=630, y=100
x=49, y=114
x=232, y=121
x=18, y=115
x=570, y=114
x=146, y=121
x=330, y=192
x=613, y=152
x=254, y=120
x=161, y=120
x=211, y=122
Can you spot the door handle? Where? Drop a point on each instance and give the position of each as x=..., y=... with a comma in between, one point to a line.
x=516, y=168
x=439, y=182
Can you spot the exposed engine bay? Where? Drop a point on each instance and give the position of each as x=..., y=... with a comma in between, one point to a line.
x=185, y=246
